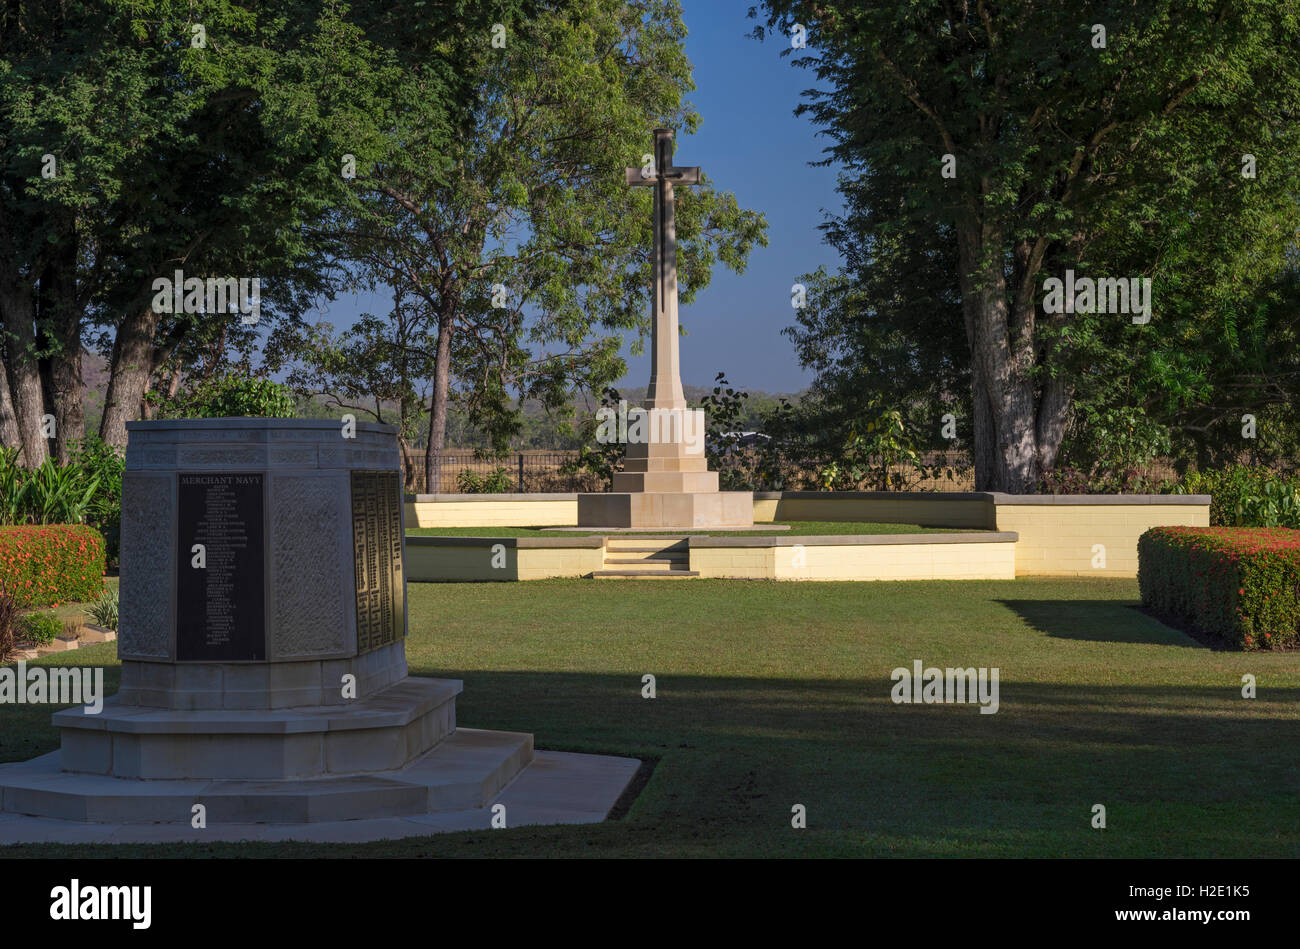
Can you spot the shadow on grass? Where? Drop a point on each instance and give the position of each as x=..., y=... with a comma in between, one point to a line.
x=1183, y=769
x=736, y=753
x=1102, y=621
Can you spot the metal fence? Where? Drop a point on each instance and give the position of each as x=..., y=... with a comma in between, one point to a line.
x=522, y=472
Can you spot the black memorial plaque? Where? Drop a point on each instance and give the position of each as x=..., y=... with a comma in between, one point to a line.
x=220, y=607
x=377, y=548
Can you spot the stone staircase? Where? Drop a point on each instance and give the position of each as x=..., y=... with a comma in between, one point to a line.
x=646, y=558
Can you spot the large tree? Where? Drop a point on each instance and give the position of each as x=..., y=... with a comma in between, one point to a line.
x=520, y=242
x=202, y=136
x=1017, y=140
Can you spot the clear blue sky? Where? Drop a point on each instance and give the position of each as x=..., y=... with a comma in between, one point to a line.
x=751, y=144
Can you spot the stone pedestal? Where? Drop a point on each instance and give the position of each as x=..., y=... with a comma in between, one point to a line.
x=667, y=484
x=665, y=481
x=262, y=637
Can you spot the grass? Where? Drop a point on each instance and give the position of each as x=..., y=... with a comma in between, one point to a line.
x=775, y=694
x=73, y=612
x=796, y=528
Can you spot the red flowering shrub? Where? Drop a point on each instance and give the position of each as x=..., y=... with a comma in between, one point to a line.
x=1240, y=584
x=48, y=564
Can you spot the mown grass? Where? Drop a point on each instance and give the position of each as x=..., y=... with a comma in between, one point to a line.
x=776, y=694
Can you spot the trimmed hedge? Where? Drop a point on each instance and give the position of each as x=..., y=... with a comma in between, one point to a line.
x=1239, y=584
x=44, y=565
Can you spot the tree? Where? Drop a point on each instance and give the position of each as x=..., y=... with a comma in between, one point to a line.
x=520, y=240
x=141, y=137
x=380, y=368
x=1021, y=140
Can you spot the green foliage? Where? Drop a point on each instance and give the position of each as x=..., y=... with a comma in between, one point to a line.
x=87, y=490
x=1107, y=437
x=878, y=454
x=1241, y=586
x=103, y=464
x=50, y=493
x=496, y=482
x=1242, y=496
x=40, y=628
x=103, y=612
x=758, y=467
x=51, y=564
x=601, y=459
x=1122, y=161
x=232, y=396
x=528, y=196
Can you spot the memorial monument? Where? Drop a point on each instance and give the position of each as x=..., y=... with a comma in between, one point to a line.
x=262, y=637
x=666, y=483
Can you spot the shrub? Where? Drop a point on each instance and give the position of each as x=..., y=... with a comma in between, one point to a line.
x=1069, y=480
x=1240, y=585
x=87, y=490
x=233, y=395
x=498, y=482
x=100, y=460
x=40, y=628
x=103, y=612
x=1246, y=497
x=52, y=564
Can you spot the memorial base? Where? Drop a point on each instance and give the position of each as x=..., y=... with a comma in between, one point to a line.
x=395, y=756
x=716, y=510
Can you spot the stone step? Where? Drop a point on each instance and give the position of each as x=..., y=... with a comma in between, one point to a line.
x=668, y=560
x=367, y=736
x=464, y=771
x=644, y=574
x=672, y=548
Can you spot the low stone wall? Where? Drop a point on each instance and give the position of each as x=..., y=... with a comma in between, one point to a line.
x=971, y=510
x=972, y=556
x=1059, y=535
x=501, y=558
x=492, y=510
x=1090, y=535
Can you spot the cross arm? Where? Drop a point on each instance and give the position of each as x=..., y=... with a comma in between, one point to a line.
x=674, y=176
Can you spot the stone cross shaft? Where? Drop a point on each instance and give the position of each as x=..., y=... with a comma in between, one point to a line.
x=665, y=390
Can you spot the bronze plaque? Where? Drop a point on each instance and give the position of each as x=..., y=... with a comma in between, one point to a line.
x=377, y=549
x=220, y=590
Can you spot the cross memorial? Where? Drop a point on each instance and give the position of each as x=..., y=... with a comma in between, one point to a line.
x=666, y=481
x=665, y=390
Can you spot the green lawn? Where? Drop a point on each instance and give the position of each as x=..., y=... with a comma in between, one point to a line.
x=774, y=694
x=800, y=528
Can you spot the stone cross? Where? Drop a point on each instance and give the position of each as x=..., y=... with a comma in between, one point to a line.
x=665, y=390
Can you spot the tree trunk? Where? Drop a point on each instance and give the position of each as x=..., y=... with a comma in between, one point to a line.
x=18, y=310
x=9, y=436
x=130, y=367
x=62, y=369
x=438, y=409
x=1053, y=414
x=1005, y=450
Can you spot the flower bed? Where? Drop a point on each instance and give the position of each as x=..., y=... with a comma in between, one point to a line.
x=1239, y=585
x=51, y=564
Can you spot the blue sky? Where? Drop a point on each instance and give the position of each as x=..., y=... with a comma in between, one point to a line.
x=749, y=143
